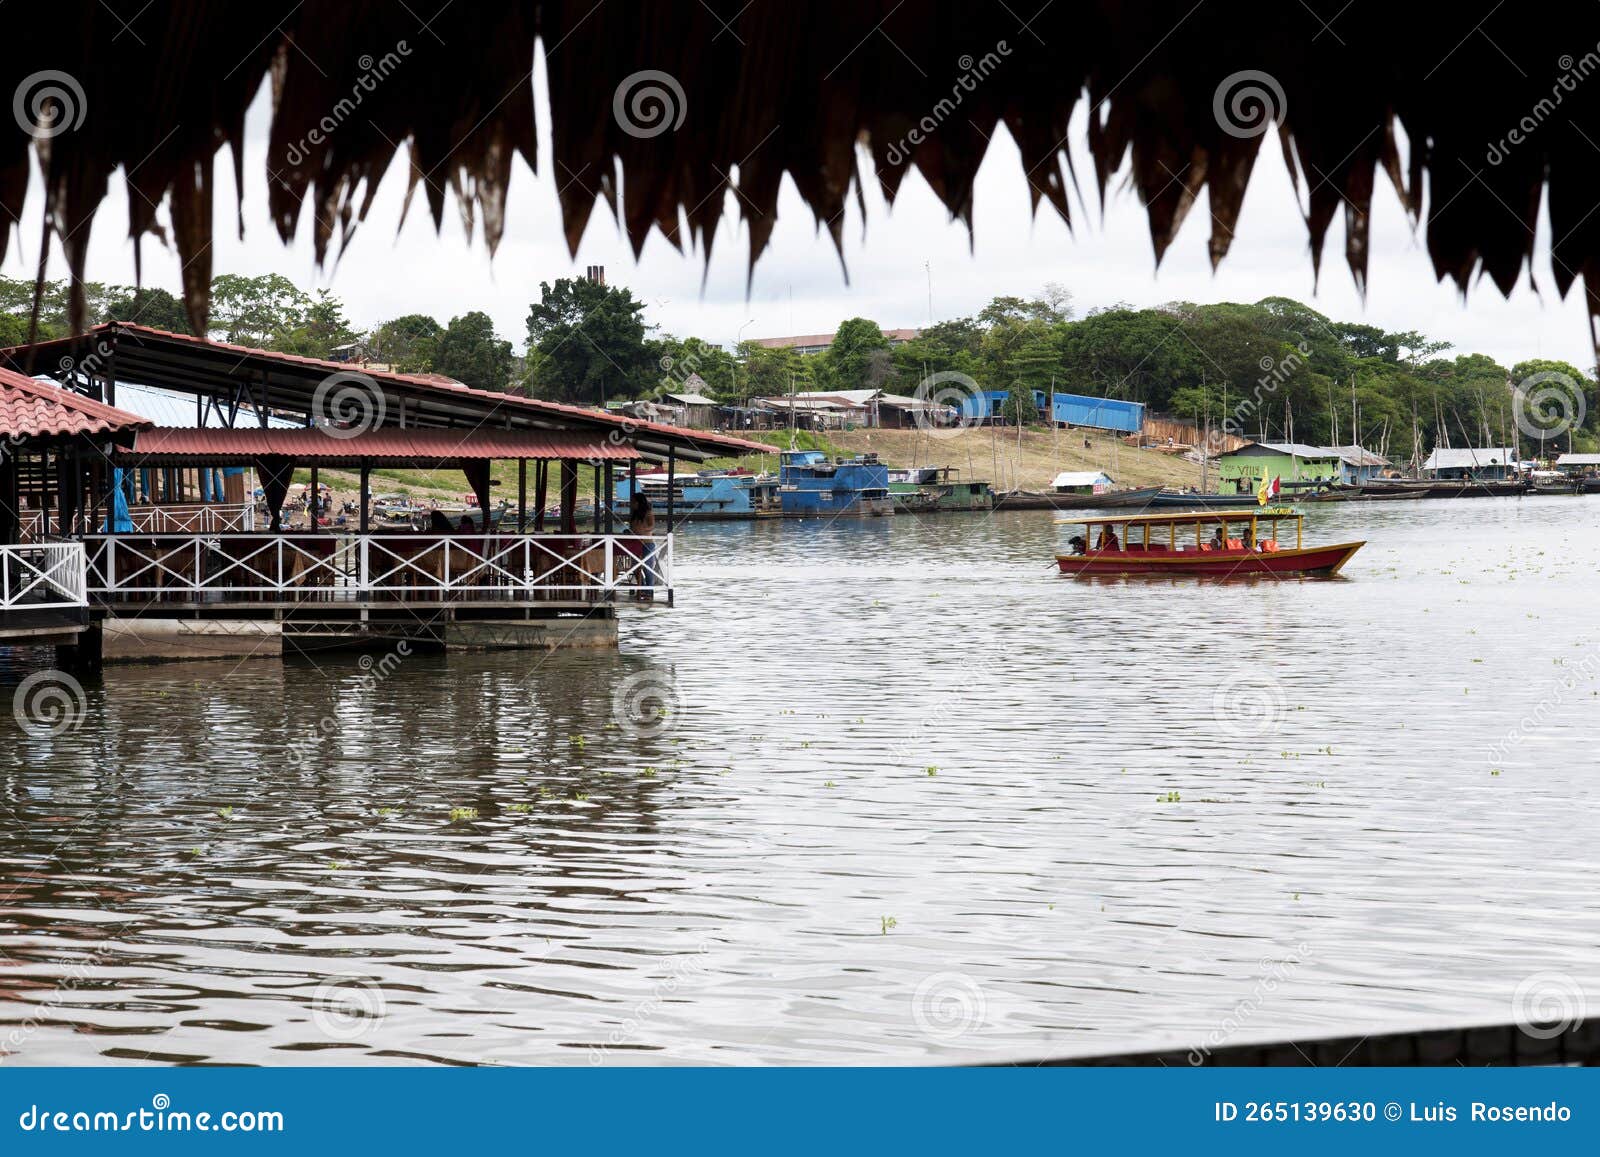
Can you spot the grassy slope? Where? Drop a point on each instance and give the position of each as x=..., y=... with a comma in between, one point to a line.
x=989, y=453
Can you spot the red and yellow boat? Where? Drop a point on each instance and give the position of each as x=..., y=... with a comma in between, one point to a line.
x=1221, y=543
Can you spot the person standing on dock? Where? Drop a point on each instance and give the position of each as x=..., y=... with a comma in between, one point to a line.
x=642, y=524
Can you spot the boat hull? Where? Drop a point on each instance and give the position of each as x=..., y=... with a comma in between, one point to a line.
x=1170, y=500
x=1315, y=560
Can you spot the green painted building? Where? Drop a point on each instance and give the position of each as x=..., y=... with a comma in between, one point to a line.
x=1241, y=471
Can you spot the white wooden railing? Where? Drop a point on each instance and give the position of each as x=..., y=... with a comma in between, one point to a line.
x=179, y=518
x=43, y=576
x=362, y=567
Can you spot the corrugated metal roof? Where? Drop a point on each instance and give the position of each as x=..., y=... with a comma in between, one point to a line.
x=33, y=409
x=1300, y=449
x=1359, y=456
x=1466, y=457
x=692, y=399
x=328, y=444
x=484, y=403
x=1578, y=460
x=1082, y=478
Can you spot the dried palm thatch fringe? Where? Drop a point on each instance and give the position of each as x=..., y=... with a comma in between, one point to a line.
x=772, y=88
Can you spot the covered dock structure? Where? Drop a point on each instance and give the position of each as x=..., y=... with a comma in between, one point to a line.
x=521, y=573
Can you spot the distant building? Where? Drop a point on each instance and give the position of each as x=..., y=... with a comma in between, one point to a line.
x=1069, y=410
x=1578, y=463
x=1082, y=482
x=696, y=411
x=1357, y=464
x=1243, y=470
x=816, y=343
x=1485, y=463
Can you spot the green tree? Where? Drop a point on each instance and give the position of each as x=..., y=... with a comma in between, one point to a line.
x=321, y=329
x=849, y=363
x=590, y=342
x=469, y=352
x=676, y=360
x=407, y=343
x=145, y=306
x=260, y=311
x=772, y=373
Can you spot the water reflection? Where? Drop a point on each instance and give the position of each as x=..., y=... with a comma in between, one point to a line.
x=883, y=791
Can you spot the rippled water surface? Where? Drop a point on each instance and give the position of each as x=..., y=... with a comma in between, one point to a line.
x=906, y=798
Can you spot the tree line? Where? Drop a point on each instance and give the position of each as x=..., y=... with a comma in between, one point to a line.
x=1275, y=369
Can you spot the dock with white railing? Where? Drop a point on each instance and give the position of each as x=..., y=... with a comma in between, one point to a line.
x=43, y=593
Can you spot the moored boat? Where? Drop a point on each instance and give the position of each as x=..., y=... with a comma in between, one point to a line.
x=1194, y=500
x=1220, y=544
x=1051, y=500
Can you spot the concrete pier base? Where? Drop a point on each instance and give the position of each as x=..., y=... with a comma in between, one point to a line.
x=149, y=639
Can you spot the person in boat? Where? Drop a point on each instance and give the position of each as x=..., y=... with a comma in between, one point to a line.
x=1077, y=544
x=642, y=524
x=1108, y=540
x=1219, y=541
x=438, y=523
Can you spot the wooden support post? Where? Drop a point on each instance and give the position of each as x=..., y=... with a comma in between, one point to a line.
x=569, y=497
x=522, y=495
x=611, y=494
x=541, y=493
x=366, y=496
x=311, y=502
x=597, y=515
x=672, y=496
x=10, y=500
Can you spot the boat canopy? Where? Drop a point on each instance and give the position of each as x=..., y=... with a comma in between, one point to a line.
x=1189, y=518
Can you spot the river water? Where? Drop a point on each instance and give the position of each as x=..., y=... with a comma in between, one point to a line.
x=884, y=791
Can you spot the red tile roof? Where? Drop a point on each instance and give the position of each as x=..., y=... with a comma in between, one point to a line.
x=328, y=444
x=34, y=409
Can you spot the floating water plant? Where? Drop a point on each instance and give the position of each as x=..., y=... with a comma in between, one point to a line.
x=830, y=783
x=648, y=772
x=1169, y=797
x=885, y=923
x=387, y=813
x=931, y=769
x=577, y=741
x=458, y=814
x=225, y=813
x=519, y=808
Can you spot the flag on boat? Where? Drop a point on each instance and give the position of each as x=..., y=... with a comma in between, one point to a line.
x=1268, y=490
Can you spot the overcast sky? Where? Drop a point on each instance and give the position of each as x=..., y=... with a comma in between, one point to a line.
x=799, y=286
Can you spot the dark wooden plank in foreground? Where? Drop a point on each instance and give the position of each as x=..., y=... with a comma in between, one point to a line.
x=1496, y=1045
